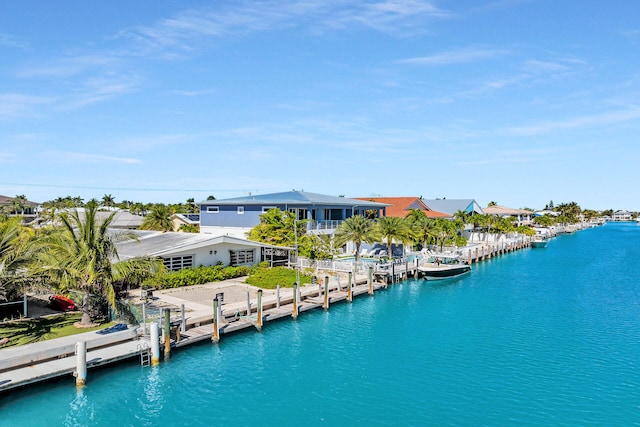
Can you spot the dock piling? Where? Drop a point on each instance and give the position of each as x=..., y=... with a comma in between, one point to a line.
x=167, y=334
x=294, y=313
x=183, y=320
x=277, y=296
x=325, y=303
x=155, y=344
x=349, y=287
x=81, y=363
x=259, y=311
x=370, y=280
x=215, y=336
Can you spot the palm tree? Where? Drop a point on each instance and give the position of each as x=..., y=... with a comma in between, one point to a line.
x=444, y=230
x=356, y=229
x=82, y=256
x=19, y=203
x=108, y=200
x=159, y=218
x=16, y=252
x=422, y=227
x=393, y=228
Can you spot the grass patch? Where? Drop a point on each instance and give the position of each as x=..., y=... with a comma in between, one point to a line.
x=269, y=278
x=28, y=331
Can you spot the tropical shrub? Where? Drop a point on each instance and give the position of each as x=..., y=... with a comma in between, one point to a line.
x=196, y=276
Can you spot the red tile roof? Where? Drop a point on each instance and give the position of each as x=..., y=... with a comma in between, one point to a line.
x=401, y=206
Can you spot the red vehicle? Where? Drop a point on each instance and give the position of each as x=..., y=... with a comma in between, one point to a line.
x=58, y=302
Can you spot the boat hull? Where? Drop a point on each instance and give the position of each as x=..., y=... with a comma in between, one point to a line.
x=539, y=244
x=441, y=273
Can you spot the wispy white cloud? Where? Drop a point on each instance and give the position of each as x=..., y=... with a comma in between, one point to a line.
x=535, y=66
x=457, y=56
x=67, y=156
x=98, y=89
x=15, y=105
x=7, y=40
x=70, y=66
x=392, y=16
x=580, y=122
x=176, y=36
x=193, y=93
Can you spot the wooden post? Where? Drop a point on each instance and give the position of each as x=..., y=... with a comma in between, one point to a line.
x=259, y=311
x=167, y=334
x=349, y=290
x=25, y=306
x=325, y=304
x=277, y=296
x=144, y=318
x=155, y=344
x=215, y=336
x=393, y=272
x=370, y=279
x=476, y=259
x=294, y=313
x=183, y=320
x=248, y=304
x=81, y=363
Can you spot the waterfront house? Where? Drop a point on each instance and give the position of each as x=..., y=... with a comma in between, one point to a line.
x=237, y=216
x=523, y=216
x=20, y=206
x=192, y=219
x=185, y=250
x=451, y=206
x=622, y=215
x=401, y=206
x=123, y=220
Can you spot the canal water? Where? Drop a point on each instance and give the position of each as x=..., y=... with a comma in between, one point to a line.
x=539, y=337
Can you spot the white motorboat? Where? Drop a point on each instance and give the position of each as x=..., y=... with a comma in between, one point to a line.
x=443, y=266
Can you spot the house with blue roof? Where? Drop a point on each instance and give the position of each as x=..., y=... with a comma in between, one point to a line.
x=237, y=216
x=451, y=206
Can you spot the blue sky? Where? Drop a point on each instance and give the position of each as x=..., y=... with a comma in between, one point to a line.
x=513, y=101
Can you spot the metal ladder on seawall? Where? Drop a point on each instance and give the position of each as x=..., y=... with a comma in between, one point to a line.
x=145, y=354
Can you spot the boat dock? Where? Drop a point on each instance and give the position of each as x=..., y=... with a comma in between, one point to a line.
x=191, y=321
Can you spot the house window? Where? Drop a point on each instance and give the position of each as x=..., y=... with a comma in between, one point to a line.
x=242, y=257
x=240, y=210
x=178, y=262
x=213, y=209
x=266, y=208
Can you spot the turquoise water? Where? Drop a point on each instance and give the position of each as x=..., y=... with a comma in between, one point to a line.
x=539, y=337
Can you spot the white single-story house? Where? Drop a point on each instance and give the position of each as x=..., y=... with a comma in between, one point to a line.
x=184, y=250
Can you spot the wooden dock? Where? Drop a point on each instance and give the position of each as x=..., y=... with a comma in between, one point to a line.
x=28, y=364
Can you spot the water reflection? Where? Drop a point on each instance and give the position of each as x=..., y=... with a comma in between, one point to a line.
x=152, y=401
x=81, y=410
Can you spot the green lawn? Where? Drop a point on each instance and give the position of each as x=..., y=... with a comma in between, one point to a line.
x=27, y=331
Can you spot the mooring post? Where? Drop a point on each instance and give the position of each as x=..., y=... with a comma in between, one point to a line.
x=183, y=320
x=248, y=304
x=349, y=289
x=277, y=296
x=370, y=279
x=144, y=318
x=259, y=311
x=294, y=313
x=24, y=306
x=81, y=363
x=167, y=334
x=215, y=336
x=325, y=304
x=155, y=344
x=393, y=272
